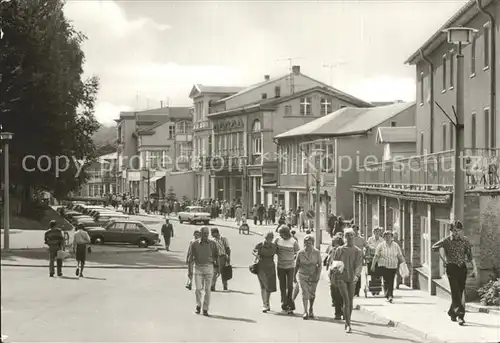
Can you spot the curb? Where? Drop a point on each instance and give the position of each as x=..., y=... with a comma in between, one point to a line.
x=221, y=225
x=106, y=266
x=390, y=323
x=481, y=309
x=5, y=253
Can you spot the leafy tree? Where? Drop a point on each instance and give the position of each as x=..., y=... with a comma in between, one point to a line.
x=171, y=196
x=45, y=102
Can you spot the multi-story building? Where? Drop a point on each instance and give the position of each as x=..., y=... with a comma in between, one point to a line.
x=414, y=196
x=332, y=147
x=148, y=146
x=245, y=123
x=102, y=177
x=203, y=97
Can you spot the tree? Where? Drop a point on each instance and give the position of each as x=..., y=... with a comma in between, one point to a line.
x=45, y=102
x=171, y=196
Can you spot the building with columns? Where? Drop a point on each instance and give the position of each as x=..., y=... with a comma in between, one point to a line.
x=244, y=155
x=335, y=144
x=414, y=196
x=203, y=97
x=149, y=145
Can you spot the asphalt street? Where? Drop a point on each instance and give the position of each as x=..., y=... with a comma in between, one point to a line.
x=131, y=305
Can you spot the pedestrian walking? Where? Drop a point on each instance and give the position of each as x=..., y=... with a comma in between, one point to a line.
x=224, y=258
x=266, y=269
x=287, y=248
x=55, y=240
x=457, y=252
x=167, y=231
x=239, y=214
x=81, y=241
x=336, y=296
x=362, y=244
x=352, y=260
x=203, y=259
x=308, y=268
x=388, y=255
x=196, y=236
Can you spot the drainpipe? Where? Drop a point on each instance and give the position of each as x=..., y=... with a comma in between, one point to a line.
x=431, y=90
x=493, y=63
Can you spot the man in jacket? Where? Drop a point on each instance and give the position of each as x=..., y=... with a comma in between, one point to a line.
x=55, y=240
x=167, y=230
x=224, y=257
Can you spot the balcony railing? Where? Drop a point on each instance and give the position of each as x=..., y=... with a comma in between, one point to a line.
x=434, y=171
x=202, y=124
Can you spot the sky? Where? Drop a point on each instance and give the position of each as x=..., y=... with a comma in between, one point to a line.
x=145, y=52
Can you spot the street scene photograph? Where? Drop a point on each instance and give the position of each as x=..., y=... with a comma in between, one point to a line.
x=250, y=171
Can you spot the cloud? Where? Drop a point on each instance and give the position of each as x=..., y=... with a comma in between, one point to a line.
x=387, y=88
x=106, y=113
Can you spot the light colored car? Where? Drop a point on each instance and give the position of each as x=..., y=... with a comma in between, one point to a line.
x=193, y=215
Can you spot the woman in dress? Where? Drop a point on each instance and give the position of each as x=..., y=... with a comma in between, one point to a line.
x=308, y=266
x=238, y=214
x=81, y=241
x=264, y=252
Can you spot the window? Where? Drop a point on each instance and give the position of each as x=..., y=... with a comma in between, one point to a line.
x=443, y=232
x=452, y=135
x=293, y=152
x=452, y=63
x=156, y=159
x=305, y=106
x=473, y=56
x=303, y=162
x=444, y=140
x=131, y=227
x=256, y=126
x=444, y=72
x=422, y=150
x=487, y=39
x=343, y=106
x=288, y=110
x=328, y=163
x=283, y=159
x=264, y=96
x=421, y=88
x=277, y=91
x=424, y=241
x=473, y=132
x=171, y=132
x=489, y=130
x=117, y=227
x=393, y=124
x=326, y=106
x=185, y=150
x=257, y=145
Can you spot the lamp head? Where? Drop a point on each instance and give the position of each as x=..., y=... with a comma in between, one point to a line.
x=6, y=136
x=460, y=35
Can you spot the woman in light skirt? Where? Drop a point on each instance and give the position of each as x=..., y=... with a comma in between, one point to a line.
x=81, y=242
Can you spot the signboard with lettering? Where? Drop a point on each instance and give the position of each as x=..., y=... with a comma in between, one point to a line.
x=235, y=124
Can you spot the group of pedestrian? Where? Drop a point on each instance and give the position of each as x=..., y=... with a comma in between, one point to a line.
x=54, y=239
x=207, y=260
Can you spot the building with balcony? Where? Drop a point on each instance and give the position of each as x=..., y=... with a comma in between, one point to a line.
x=148, y=146
x=335, y=144
x=203, y=97
x=244, y=154
x=414, y=196
x=102, y=177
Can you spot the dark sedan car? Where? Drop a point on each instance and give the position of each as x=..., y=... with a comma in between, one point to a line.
x=124, y=231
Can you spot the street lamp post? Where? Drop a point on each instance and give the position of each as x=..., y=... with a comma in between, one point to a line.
x=5, y=138
x=459, y=36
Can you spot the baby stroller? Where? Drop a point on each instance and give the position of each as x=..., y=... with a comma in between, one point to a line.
x=373, y=282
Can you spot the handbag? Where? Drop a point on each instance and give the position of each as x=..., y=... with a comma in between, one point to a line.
x=62, y=254
x=254, y=268
x=89, y=249
x=403, y=270
x=227, y=272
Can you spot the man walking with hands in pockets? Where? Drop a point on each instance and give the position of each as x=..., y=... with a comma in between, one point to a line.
x=457, y=252
x=203, y=258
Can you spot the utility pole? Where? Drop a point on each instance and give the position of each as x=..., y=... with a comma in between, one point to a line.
x=5, y=138
x=318, y=208
x=459, y=187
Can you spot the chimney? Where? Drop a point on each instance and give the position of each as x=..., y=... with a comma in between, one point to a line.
x=267, y=77
x=296, y=70
x=161, y=103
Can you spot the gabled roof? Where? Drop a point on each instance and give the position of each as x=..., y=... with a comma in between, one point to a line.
x=347, y=121
x=172, y=114
x=402, y=134
x=199, y=89
x=269, y=104
x=338, y=93
x=460, y=18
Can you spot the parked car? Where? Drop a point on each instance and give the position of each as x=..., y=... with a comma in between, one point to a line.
x=74, y=220
x=124, y=231
x=106, y=217
x=193, y=215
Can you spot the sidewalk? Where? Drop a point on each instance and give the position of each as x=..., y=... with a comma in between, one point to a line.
x=426, y=316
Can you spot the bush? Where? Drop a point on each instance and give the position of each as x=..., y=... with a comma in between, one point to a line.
x=490, y=293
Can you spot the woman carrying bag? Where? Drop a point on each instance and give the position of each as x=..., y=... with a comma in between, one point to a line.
x=81, y=246
x=265, y=269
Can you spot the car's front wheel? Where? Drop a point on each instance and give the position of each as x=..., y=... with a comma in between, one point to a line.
x=98, y=240
x=143, y=243
x=206, y=222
